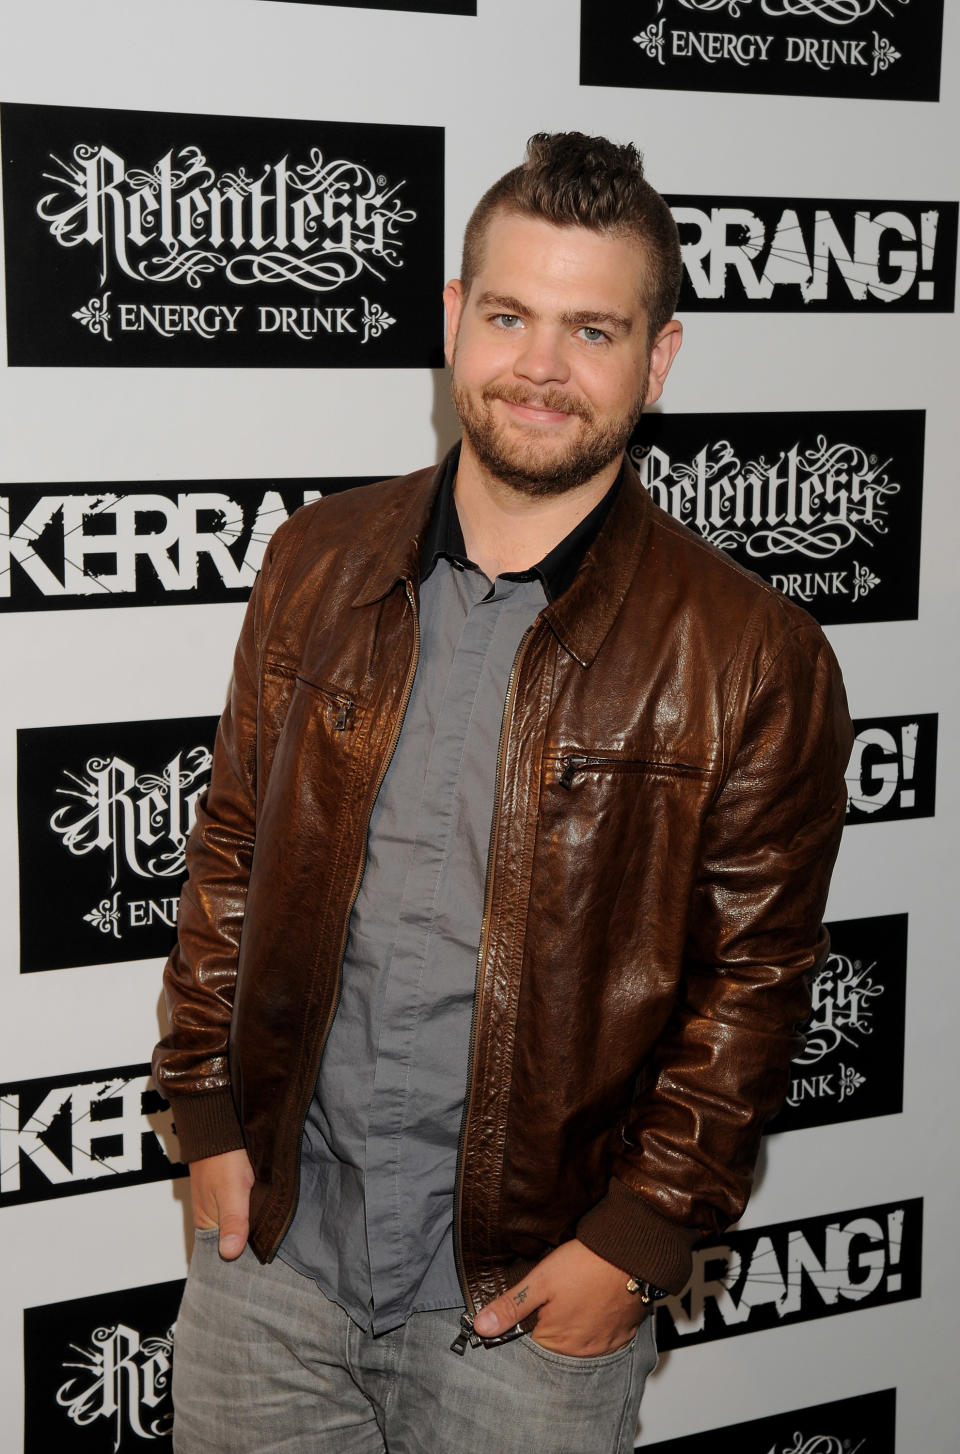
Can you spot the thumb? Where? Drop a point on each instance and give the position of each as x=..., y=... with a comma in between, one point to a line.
x=234, y=1227
x=509, y=1309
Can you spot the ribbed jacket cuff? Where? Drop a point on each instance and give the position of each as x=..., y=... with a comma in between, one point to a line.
x=624, y=1230
x=206, y=1124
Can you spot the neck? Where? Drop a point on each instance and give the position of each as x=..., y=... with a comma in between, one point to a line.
x=507, y=530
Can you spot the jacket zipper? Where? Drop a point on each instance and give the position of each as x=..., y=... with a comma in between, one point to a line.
x=571, y=766
x=346, y=707
x=467, y=1334
x=574, y=764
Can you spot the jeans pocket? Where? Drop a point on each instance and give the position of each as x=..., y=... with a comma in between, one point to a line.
x=591, y=1363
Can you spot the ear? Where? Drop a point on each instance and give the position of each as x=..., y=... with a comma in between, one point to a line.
x=453, y=301
x=663, y=351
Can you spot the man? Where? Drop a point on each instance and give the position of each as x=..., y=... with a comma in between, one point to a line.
x=503, y=895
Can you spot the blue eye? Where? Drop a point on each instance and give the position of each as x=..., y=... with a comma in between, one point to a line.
x=593, y=335
x=506, y=320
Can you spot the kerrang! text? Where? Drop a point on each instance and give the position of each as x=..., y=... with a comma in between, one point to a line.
x=194, y=526
x=883, y=260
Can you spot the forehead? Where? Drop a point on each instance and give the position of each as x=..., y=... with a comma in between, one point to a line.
x=559, y=268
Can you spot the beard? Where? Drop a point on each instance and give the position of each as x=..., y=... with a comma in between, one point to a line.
x=533, y=466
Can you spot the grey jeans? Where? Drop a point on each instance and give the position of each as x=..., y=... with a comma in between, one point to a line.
x=265, y=1364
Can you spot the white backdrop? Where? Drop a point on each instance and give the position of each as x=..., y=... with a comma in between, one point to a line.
x=490, y=81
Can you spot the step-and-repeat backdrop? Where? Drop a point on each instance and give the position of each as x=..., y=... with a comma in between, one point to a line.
x=226, y=226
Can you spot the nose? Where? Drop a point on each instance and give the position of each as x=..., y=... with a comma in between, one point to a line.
x=542, y=359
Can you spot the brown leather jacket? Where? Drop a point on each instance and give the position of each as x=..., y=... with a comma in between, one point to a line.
x=669, y=799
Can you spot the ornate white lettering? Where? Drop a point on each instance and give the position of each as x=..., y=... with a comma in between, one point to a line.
x=842, y=1008
x=140, y=821
x=123, y=1379
x=835, y=12
x=317, y=224
x=815, y=502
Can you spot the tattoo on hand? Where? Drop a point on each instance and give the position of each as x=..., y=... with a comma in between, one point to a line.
x=521, y=1296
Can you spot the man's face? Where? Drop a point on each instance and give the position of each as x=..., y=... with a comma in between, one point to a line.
x=549, y=352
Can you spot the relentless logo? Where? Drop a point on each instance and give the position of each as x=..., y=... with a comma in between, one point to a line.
x=317, y=224
x=851, y=1066
x=98, y=1371
x=162, y=543
x=892, y=771
x=744, y=253
x=129, y=816
x=878, y=49
x=861, y=1425
x=82, y=1133
x=124, y=1380
x=767, y=1277
x=193, y=251
x=120, y=823
x=826, y=507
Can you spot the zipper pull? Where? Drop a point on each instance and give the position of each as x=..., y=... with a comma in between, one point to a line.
x=343, y=716
x=466, y=1335
x=571, y=765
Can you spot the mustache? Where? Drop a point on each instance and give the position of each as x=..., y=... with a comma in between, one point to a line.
x=553, y=399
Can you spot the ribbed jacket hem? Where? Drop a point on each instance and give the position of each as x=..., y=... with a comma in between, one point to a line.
x=206, y=1124
x=624, y=1230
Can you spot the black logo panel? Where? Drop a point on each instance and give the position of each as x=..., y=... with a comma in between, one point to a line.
x=892, y=772
x=851, y=1066
x=166, y=543
x=818, y=1267
x=804, y=255
x=63, y=1135
x=862, y=1425
x=883, y=50
x=97, y=1372
x=153, y=238
x=104, y=812
x=825, y=506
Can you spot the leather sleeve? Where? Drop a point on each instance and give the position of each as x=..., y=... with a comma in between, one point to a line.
x=755, y=937
x=190, y=1062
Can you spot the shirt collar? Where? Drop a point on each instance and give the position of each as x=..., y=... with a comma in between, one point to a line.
x=444, y=537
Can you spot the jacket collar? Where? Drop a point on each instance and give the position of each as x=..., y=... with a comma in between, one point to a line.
x=583, y=615
x=580, y=617
x=394, y=542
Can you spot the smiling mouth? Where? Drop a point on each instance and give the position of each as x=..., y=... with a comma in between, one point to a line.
x=536, y=414
x=551, y=408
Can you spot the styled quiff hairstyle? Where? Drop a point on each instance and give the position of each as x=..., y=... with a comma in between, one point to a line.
x=573, y=180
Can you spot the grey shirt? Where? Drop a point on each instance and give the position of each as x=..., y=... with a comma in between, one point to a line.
x=374, y=1220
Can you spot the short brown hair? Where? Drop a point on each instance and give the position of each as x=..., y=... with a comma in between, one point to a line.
x=573, y=180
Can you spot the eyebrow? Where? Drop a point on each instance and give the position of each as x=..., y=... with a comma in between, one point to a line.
x=579, y=319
